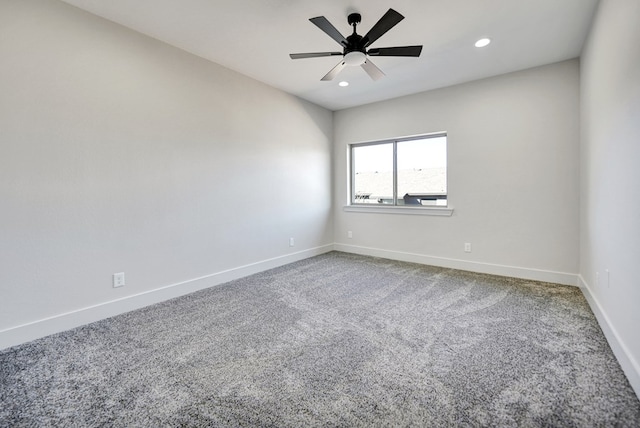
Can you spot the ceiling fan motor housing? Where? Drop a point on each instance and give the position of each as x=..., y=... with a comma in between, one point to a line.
x=354, y=43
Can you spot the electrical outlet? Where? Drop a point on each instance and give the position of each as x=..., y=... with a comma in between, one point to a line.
x=349, y=234
x=607, y=278
x=118, y=280
x=467, y=247
x=292, y=242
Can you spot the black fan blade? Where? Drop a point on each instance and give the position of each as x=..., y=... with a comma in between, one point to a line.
x=386, y=23
x=396, y=51
x=374, y=72
x=324, y=24
x=313, y=54
x=334, y=71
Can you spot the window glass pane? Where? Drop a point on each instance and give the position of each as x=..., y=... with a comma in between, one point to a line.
x=373, y=174
x=422, y=171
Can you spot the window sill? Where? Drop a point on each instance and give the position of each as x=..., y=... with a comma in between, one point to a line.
x=435, y=211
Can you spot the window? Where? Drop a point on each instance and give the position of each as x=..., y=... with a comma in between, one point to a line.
x=402, y=172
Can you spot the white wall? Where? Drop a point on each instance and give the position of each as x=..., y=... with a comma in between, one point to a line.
x=513, y=175
x=123, y=154
x=610, y=177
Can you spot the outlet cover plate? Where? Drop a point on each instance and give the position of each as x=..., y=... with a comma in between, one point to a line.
x=118, y=280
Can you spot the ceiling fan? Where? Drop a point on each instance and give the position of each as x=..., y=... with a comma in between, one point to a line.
x=355, y=46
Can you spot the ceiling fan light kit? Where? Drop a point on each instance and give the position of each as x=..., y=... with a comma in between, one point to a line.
x=355, y=58
x=354, y=47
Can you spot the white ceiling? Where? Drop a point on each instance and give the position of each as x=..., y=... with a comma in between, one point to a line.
x=255, y=37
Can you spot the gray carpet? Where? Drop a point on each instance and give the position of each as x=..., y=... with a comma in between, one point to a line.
x=335, y=340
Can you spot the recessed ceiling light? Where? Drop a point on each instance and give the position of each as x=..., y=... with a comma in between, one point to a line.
x=482, y=43
x=343, y=84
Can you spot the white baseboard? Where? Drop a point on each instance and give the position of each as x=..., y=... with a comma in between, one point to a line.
x=66, y=321
x=629, y=365
x=494, y=269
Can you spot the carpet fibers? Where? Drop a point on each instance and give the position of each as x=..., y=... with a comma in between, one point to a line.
x=335, y=340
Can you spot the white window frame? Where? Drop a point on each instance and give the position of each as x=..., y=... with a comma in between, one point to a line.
x=352, y=206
